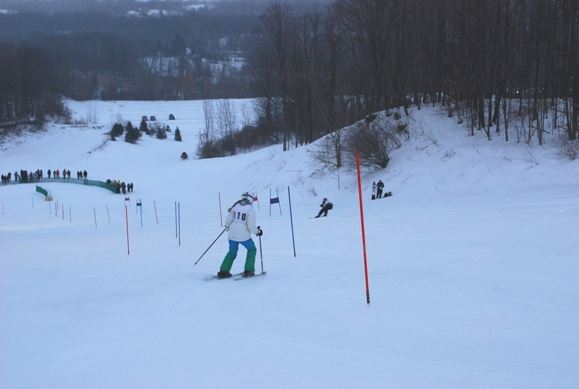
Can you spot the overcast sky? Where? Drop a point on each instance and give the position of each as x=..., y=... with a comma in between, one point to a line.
x=79, y=5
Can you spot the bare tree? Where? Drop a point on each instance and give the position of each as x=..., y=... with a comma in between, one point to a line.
x=278, y=27
x=209, y=116
x=226, y=117
x=475, y=58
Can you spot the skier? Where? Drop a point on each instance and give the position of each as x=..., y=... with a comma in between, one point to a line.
x=241, y=224
x=374, y=190
x=326, y=206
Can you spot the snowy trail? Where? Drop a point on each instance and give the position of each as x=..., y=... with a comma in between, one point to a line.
x=473, y=284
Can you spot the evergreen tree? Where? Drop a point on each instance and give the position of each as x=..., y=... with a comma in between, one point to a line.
x=161, y=134
x=117, y=131
x=132, y=134
x=178, y=135
x=144, y=127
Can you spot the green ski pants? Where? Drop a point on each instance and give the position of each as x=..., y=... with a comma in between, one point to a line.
x=232, y=253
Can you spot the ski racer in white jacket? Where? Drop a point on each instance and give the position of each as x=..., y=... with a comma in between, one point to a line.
x=241, y=224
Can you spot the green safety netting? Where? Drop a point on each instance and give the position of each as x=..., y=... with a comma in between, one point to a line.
x=101, y=184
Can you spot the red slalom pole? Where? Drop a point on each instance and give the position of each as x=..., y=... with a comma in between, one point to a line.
x=363, y=230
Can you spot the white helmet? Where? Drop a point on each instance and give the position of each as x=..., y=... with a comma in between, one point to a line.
x=248, y=198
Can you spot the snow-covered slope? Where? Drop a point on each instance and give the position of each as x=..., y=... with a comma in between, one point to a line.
x=473, y=266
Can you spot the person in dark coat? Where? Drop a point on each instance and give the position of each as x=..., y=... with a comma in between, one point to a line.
x=326, y=206
x=379, y=189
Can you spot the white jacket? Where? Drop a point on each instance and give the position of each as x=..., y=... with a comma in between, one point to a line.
x=241, y=222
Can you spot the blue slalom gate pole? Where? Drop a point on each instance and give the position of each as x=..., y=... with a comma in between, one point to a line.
x=291, y=219
x=269, y=201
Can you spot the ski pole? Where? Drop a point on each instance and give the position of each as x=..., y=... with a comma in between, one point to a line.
x=260, y=254
x=211, y=245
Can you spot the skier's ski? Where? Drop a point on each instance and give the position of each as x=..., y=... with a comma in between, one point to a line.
x=239, y=277
x=215, y=277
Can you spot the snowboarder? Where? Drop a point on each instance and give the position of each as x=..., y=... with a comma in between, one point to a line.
x=326, y=206
x=241, y=224
x=374, y=190
x=380, y=187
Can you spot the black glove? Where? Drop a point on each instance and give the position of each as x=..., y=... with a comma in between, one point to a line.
x=259, y=231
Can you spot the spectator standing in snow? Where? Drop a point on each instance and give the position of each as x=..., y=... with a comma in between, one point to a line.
x=326, y=206
x=380, y=187
x=374, y=190
x=241, y=224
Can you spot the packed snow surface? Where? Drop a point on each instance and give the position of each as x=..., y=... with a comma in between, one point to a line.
x=473, y=264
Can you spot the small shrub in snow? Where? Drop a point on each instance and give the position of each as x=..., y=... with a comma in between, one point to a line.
x=178, y=135
x=370, y=117
x=572, y=150
x=249, y=137
x=117, y=131
x=143, y=127
x=132, y=134
x=150, y=130
x=326, y=151
x=161, y=134
x=402, y=129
